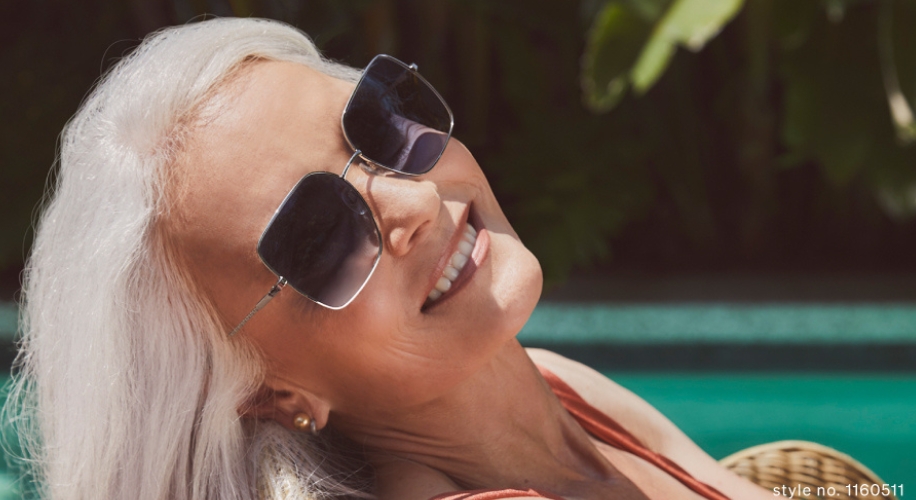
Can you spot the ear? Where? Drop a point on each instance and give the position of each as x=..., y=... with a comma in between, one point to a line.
x=282, y=403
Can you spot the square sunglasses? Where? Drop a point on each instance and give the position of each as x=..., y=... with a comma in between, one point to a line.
x=323, y=240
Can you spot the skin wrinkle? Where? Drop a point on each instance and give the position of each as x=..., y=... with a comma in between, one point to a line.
x=211, y=233
x=445, y=396
x=463, y=468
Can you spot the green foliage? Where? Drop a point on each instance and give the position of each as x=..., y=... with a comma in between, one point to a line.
x=836, y=107
x=50, y=58
x=614, y=43
x=632, y=43
x=805, y=84
x=770, y=140
x=687, y=22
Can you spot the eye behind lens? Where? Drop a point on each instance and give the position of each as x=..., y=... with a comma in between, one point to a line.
x=387, y=104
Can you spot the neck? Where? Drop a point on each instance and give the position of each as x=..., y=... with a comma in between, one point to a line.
x=501, y=428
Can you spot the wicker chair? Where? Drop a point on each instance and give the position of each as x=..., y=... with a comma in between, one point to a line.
x=805, y=464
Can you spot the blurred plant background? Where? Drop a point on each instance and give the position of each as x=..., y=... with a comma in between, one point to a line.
x=659, y=134
x=622, y=137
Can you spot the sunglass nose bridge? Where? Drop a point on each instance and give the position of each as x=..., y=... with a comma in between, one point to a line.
x=356, y=154
x=413, y=67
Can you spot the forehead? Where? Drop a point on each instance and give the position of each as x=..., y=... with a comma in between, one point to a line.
x=264, y=130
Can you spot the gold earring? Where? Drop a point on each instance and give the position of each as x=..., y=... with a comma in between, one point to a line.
x=305, y=423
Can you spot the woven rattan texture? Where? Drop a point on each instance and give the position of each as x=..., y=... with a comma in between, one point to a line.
x=795, y=464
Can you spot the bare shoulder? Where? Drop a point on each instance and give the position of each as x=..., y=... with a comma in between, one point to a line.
x=645, y=422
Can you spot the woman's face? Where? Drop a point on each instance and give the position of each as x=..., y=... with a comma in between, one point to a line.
x=385, y=351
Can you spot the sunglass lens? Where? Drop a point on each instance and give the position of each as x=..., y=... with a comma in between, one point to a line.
x=396, y=119
x=323, y=240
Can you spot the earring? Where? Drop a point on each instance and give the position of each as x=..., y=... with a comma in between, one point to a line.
x=304, y=423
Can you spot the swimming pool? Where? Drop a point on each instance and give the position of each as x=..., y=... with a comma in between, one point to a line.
x=871, y=417
x=732, y=376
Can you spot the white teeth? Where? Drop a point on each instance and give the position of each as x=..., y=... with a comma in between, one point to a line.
x=457, y=262
x=443, y=284
x=450, y=273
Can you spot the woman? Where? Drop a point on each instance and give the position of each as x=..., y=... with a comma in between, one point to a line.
x=212, y=166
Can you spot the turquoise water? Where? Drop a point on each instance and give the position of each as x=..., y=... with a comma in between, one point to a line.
x=562, y=323
x=869, y=417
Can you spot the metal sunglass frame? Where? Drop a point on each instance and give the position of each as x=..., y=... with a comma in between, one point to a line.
x=282, y=281
x=412, y=69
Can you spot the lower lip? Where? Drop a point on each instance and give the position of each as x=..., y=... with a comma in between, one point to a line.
x=478, y=255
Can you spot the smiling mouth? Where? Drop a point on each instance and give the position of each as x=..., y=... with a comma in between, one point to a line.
x=456, y=263
x=469, y=253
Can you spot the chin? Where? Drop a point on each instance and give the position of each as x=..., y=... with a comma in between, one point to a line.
x=519, y=289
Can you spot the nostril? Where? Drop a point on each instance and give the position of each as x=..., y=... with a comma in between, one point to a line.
x=420, y=230
x=406, y=209
x=407, y=234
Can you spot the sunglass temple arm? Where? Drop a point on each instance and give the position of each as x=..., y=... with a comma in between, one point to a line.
x=261, y=303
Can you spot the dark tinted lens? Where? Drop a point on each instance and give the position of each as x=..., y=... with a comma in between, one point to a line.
x=323, y=240
x=396, y=119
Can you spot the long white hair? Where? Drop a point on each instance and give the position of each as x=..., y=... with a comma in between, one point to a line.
x=126, y=385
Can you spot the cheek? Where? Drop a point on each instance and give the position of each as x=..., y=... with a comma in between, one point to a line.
x=384, y=356
x=374, y=353
x=381, y=352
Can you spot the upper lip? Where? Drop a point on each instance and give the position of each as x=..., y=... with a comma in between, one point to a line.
x=450, y=250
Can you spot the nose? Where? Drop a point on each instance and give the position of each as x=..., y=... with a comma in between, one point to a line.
x=405, y=208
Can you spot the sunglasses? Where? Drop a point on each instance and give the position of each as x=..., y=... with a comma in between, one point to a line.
x=323, y=240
